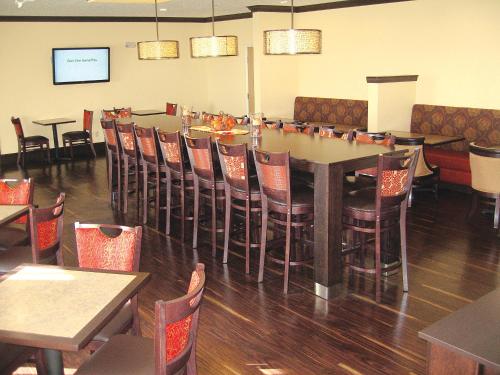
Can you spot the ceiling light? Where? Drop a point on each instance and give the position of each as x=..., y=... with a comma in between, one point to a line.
x=158, y=49
x=292, y=41
x=214, y=46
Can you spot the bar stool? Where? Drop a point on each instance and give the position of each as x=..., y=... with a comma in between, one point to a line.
x=129, y=159
x=179, y=177
x=278, y=199
x=113, y=160
x=485, y=173
x=426, y=175
x=208, y=184
x=377, y=211
x=153, y=173
x=242, y=195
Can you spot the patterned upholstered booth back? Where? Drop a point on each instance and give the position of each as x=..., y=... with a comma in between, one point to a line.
x=475, y=124
x=333, y=111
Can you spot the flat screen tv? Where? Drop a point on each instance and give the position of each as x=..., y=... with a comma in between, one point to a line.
x=80, y=65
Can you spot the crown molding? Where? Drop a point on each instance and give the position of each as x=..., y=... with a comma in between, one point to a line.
x=228, y=17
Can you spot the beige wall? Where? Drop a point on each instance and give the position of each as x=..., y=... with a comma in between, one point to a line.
x=450, y=44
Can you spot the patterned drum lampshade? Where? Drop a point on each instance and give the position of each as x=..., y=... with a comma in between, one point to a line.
x=292, y=42
x=214, y=46
x=158, y=49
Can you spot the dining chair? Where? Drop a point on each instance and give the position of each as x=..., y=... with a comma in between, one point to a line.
x=46, y=227
x=283, y=205
x=485, y=173
x=80, y=137
x=272, y=124
x=25, y=144
x=179, y=178
x=380, y=210
x=113, y=160
x=308, y=129
x=114, y=248
x=426, y=175
x=208, y=184
x=171, y=109
x=172, y=351
x=242, y=196
x=21, y=192
x=130, y=160
x=153, y=173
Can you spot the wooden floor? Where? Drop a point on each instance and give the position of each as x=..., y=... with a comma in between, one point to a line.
x=251, y=328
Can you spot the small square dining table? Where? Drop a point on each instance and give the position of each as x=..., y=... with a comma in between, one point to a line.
x=54, y=122
x=61, y=308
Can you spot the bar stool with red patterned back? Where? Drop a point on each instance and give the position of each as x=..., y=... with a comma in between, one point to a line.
x=278, y=201
x=179, y=177
x=208, y=184
x=81, y=136
x=171, y=109
x=153, y=173
x=377, y=211
x=113, y=159
x=366, y=177
x=242, y=195
x=173, y=349
x=129, y=158
x=25, y=144
x=16, y=192
x=46, y=227
x=114, y=248
x=115, y=113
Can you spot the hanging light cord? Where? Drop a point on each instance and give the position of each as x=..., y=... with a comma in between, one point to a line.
x=213, y=18
x=292, y=14
x=156, y=16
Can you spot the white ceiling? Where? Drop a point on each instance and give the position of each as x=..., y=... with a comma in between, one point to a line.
x=174, y=8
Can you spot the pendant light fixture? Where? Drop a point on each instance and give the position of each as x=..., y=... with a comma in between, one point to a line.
x=292, y=41
x=214, y=46
x=158, y=49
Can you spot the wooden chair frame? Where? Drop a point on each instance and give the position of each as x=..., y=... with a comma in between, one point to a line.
x=130, y=159
x=113, y=159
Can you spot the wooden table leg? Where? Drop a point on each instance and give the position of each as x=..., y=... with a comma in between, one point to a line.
x=53, y=361
x=328, y=184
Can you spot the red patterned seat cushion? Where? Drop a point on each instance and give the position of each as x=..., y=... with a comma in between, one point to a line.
x=333, y=111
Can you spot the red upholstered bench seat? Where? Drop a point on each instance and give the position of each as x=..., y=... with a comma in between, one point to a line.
x=454, y=165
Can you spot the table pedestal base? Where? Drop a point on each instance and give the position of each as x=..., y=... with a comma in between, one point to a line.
x=54, y=362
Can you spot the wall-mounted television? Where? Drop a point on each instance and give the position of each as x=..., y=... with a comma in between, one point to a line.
x=80, y=65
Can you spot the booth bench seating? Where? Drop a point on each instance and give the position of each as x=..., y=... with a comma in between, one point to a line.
x=345, y=114
x=475, y=124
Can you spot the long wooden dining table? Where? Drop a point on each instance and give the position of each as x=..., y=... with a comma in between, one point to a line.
x=328, y=159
